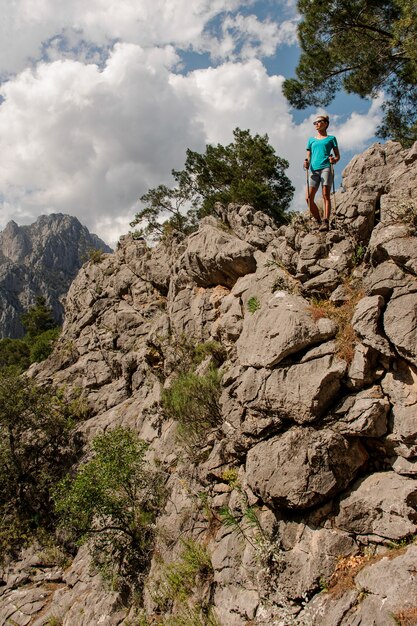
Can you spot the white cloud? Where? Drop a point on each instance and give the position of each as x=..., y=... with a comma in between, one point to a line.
x=245, y=37
x=89, y=142
x=94, y=124
x=358, y=129
x=32, y=28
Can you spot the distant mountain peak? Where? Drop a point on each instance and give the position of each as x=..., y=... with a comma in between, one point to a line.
x=41, y=258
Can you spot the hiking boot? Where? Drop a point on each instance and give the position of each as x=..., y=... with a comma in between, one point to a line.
x=324, y=227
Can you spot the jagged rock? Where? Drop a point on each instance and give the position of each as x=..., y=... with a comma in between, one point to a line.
x=301, y=392
x=215, y=257
x=309, y=556
x=382, y=504
x=394, y=242
x=298, y=423
x=280, y=327
x=365, y=323
x=312, y=248
x=40, y=260
x=363, y=368
x=255, y=227
x=382, y=279
x=400, y=385
x=383, y=590
x=405, y=467
x=400, y=324
x=324, y=282
x=303, y=467
x=363, y=414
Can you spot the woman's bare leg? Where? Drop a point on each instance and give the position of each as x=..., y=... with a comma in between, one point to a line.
x=314, y=209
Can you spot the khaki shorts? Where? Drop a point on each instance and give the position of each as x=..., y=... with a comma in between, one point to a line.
x=323, y=176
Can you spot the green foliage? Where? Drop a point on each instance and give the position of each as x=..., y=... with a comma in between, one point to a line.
x=41, y=334
x=192, y=400
x=177, y=584
x=253, y=304
x=113, y=502
x=159, y=203
x=95, y=255
x=38, y=318
x=358, y=254
x=42, y=345
x=245, y=171
x=36, y=449
x=54, y=621
x=364, y=46
x=209, y=348
x=15, y=353
x=180, y=577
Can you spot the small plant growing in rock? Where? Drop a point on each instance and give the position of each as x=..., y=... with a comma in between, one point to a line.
x=210, y=348
x=246, y=523
x=113, y=502
x=54, y=621
x=405, y=212
x=177, y=583
x=253, y=304
x=193, y=401
x=346, y=338
x=358, y=254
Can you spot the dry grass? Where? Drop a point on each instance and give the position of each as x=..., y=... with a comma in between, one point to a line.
x=348, y=567
x=346, y=337
x=406, y=617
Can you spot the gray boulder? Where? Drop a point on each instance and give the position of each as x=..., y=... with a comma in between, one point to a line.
x=281, y=327
x=216, y=257
x=400, y=325
x=382, y=504
x=303, y=467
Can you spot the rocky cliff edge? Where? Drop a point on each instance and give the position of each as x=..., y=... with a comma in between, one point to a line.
x=318, y=408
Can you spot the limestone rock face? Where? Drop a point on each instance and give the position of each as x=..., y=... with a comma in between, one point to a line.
x=303, y=467
x=280, y=327
x=382, y=504
x=310, y=473
x=40, y=259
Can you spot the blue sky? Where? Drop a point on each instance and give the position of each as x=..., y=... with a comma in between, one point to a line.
x=100, y=100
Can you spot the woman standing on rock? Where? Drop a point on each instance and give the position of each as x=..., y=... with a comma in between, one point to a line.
x=320, y=162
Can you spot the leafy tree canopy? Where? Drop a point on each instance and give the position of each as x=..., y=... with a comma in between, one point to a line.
x=38, y=318
x=245, y=171
x=36, y=449
x=42, y=332
x=363, y=46
x=113, y=501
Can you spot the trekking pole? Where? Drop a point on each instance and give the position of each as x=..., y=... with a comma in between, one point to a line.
x=334, y=191
x=308, y=191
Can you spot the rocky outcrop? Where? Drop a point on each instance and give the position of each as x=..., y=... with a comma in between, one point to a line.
x=40, y=260
x=318, y=406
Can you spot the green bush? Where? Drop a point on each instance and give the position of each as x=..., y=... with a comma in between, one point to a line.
x=36, y=449
x=14, y=352
x=177, y=584
x=193, y=401
x=42, y=345
x=113, y=502
x=180, y=577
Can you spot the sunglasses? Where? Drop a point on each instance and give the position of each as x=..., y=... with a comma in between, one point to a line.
x=318, y=122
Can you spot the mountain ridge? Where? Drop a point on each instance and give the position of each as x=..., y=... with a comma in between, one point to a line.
x=40, y=259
